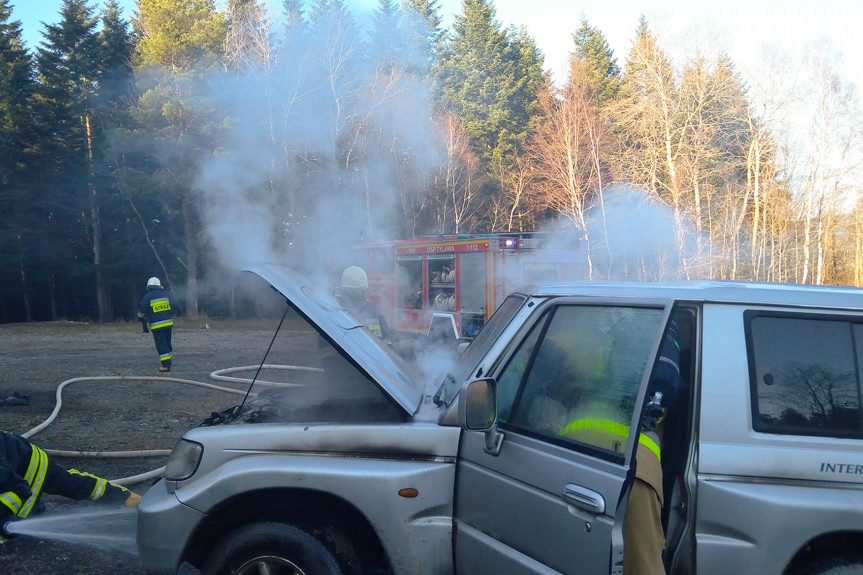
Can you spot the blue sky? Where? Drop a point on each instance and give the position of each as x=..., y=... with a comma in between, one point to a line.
x=743, y=25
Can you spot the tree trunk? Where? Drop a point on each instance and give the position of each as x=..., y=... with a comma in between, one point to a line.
x=102, y=301
x=28, y=313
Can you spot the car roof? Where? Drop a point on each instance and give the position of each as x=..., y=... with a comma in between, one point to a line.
x=730, y=292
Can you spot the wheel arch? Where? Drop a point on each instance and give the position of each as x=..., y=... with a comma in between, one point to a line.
x=827, y=544
x=335, y=521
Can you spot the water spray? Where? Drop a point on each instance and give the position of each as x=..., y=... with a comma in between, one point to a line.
x=112, y=528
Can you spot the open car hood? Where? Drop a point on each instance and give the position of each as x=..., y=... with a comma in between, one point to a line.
x=370, y=354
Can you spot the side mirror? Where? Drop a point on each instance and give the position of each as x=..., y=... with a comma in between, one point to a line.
x=478, y=405
x=478, y=412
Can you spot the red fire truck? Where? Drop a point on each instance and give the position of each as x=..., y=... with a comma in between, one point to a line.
x=450, y=285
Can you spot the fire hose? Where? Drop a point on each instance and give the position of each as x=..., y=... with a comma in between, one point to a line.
x=219, y=375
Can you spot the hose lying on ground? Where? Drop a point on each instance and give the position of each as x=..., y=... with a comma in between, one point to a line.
x=217, y=375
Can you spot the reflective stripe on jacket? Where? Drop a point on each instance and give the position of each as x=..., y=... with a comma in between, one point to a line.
x=35, y=477
x=607, y=434
x=15, y=455
x=19, y=493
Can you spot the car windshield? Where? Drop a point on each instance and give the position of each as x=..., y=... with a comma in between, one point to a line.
x=479, y=346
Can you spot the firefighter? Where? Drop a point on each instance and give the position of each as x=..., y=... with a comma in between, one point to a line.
x=643, y=535
x=154, y=313
x=340, y=378
x=352, y=292
x=26, y=472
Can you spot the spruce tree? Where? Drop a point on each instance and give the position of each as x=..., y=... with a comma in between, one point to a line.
x=120, y=247
x=68, y=68
x=387, y=44
x=18, y=148
x=593, y=64
x=488, y=78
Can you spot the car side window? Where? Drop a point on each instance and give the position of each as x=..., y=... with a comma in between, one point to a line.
x=804, y=374
x=510, y=379
x=580, y=382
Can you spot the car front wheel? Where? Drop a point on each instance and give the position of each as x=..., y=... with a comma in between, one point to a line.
x=271, y=548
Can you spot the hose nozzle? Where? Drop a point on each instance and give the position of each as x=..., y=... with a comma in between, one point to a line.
x=4, y=530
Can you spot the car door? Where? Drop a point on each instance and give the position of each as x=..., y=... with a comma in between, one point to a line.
x=548, y=497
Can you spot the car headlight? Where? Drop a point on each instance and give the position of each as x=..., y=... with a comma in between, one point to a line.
x=184, y=460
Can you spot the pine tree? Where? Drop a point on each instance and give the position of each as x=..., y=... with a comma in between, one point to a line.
x=115, y=62
x=16, y=89
x=179, y=35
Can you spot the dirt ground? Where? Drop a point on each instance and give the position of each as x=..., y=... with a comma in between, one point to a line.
x=110, y=415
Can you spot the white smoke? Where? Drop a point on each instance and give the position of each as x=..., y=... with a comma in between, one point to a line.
x=323, y=149
x=635, y=237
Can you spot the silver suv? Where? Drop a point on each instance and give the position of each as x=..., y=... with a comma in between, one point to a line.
x=358, y=467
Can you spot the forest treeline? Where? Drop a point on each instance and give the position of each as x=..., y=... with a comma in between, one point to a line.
x=192, y=139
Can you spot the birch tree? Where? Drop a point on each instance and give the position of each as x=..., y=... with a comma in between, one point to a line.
x=457, y=198
x=568, y=149
x=832, y=156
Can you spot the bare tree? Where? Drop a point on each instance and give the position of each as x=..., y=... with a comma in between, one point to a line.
x=565, y=152
x=514, y=208
x=460, y=180
x=247, y=41
x=830, y=140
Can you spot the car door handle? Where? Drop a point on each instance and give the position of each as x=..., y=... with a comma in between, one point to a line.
x=583, y=497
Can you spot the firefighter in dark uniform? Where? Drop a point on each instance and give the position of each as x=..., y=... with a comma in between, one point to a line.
x=154, y=312
x=26, y=472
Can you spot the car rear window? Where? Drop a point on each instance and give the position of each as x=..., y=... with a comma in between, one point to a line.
x=805, y=374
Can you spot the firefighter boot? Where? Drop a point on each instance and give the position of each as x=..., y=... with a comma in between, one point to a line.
x=165, y=366
x=133, y=499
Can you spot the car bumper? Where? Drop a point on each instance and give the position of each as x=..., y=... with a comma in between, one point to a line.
x=164, y=525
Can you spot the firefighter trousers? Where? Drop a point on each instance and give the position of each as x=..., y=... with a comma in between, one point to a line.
x=162, y=339
x=643, y=538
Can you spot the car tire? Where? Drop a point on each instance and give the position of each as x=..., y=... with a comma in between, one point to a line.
x=838, y=565
x=271, y=547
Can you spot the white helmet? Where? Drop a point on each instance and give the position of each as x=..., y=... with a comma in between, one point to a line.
x=153, y=282
x=354, y=277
